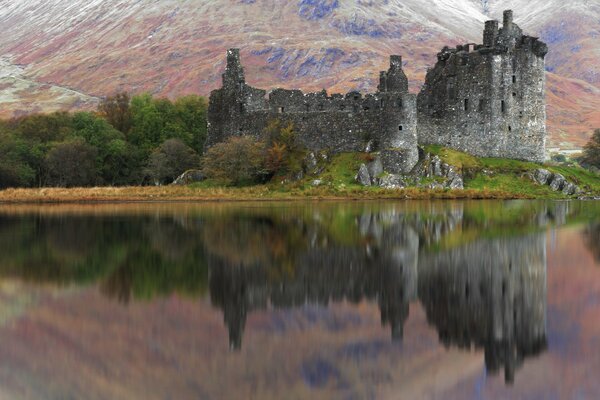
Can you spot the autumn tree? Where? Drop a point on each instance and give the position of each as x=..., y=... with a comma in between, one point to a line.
x=115, y=109
x=591, y=152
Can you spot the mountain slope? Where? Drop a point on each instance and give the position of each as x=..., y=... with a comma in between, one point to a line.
x=176, y=47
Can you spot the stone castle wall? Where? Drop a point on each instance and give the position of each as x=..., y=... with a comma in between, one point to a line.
x=339, y=123
x=487, y=100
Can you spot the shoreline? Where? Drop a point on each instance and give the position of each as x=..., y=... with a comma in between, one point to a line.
x=181, y=194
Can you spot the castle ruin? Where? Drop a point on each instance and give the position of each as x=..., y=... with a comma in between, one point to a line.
x=487, y=100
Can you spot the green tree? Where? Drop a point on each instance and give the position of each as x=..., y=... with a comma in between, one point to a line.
x=14, y=170
x=116, y=159
x=72, y=164
x=591, y=152
x=156, y=120
x=239, y=160
x=170, y=160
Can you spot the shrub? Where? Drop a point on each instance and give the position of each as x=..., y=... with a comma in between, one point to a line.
x=71, y=164
x=284, y=154
x=170, y=160
x=239, y=160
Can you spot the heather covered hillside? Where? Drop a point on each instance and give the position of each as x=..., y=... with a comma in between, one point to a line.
x=66, y=54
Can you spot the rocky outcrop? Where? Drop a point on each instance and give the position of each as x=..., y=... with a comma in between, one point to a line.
x=430, y=173
x=446, y=175
x=191, y=176
x=556, y=181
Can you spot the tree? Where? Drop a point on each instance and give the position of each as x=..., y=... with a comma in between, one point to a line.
x=156, y=120
x=284, y=154
x=239, y=160
x=591, y=152
x=72, y=164
x=115, y=109
x=14, y=170
x=170, y=160
x=116, y=159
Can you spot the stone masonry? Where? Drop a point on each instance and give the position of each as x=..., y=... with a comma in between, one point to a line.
x=487, y=100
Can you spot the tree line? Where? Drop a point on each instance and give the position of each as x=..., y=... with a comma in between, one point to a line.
x=135, y=140
x=142, y=140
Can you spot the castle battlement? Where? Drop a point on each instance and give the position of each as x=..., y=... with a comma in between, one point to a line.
x=485, y=99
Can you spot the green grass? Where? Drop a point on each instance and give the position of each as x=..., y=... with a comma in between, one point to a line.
x=583, y=178
x=508, y=175
x=343, y=168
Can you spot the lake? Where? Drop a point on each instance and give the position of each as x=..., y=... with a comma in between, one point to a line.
x=348, y=300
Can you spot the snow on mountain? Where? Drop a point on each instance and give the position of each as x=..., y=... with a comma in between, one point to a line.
x=176, y=47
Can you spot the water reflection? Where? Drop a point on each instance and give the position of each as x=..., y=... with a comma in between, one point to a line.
x=478, y=269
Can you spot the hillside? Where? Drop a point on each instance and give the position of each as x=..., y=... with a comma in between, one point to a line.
x=59, y=54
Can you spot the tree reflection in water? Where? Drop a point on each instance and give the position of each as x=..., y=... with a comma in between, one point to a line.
x=479, y=269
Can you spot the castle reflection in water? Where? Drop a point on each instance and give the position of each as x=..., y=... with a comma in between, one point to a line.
x=488, y=293
x=478, y=269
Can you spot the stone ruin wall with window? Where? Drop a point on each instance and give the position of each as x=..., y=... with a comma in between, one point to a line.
x=487, y=100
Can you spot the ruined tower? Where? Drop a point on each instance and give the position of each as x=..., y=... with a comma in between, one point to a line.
x=488, y=100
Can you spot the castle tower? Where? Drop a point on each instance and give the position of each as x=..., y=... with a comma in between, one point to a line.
x=394, y=80
x=233, y=78
x=489, y=102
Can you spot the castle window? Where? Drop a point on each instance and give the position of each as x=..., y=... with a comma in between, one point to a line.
x=355, y=97
x=280, y=110
x=510, y=128
x=467, y=105
x=399, y=103
x=307, y=107
x=242, y=107
x=366, y=108
x=520, y=114
x=342, y=107
x=481, y=105
x=400, y=128
x=514, y=94
x=382, y=103
x=514, y=79
x=320, y=107
x=503, y=106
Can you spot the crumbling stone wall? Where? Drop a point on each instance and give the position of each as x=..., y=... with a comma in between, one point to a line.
x=488, y=100
x=339, y=123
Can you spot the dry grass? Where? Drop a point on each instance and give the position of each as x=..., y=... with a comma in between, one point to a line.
x=253, y=193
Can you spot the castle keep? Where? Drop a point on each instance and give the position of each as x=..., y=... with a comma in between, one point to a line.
x=487, y=100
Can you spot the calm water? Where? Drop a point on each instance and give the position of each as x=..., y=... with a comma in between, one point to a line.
x=285, y=301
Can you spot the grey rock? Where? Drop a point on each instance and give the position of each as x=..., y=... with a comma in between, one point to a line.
x=558, y=182
x=370, y=146
x=392, y=181
x=570, y=189
x=397, y=161
x=375, y=167
x=542, y=176
x=310, y=163
x=317, y=182
x=363, y=176
x=191, y=176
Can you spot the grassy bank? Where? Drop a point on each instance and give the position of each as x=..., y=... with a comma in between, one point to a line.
x=252, y=193
x=484, y=178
